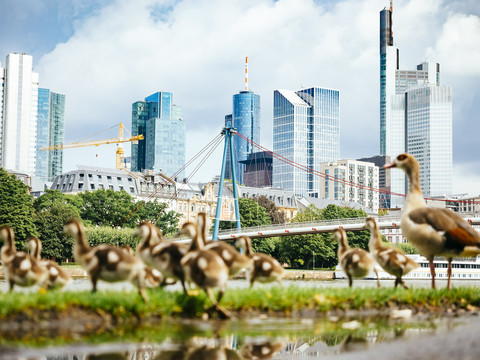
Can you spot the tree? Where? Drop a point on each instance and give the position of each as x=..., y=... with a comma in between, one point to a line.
x=299, y=250
x=251, y=214
x=55, y=197
x=276, y=216
x=50, y=223
x=107, y=208
x=16, y=207
x=156, y=212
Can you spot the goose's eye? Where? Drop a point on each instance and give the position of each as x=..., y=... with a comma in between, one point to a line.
x=401, y=157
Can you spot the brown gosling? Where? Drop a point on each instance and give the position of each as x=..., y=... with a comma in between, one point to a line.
x=264, y=268
x=57, y=277
x=433, y=231
x=260, y=350
x=161, y=255
x=393, y=261
x=356, y=263
x=106, y=262
x=19, y=267
x=204, y=268
x=232, y=258
x=153, y=277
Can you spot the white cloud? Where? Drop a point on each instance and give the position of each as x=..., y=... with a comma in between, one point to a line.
x=196, y=49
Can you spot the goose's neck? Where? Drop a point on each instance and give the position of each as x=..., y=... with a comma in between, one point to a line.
x=375, y=242
x=248, y=248
x=343, y=246
x=414, y=197
x=82, y=246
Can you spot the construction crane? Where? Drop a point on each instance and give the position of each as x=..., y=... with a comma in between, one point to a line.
x=118, y=140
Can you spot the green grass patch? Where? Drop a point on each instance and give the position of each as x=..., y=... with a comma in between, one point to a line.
x=123, y=304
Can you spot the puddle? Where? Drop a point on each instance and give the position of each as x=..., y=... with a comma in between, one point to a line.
x=260, y=338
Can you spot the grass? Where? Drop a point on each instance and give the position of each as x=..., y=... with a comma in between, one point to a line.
x=275, y=299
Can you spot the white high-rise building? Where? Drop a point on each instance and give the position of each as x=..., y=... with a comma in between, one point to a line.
x=400, y=117
x=18, y=125
x=340, y=174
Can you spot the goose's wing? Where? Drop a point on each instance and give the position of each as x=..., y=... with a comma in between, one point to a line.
x=456, y=230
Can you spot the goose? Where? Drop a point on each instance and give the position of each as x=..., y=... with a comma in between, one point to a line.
x=393, y=261
x=106, y=262
x=57, y=277
x=433, y=231
x=260, y=350
x=161, y=255
x=234, y=260
x=153, y=277
x=19, y=267
x=264, y=268
x=356, y=263
x=205, y=268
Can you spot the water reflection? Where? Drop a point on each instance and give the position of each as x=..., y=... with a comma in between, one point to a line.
x=266, y=338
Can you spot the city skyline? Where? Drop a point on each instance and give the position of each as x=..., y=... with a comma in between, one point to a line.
x=93, y=58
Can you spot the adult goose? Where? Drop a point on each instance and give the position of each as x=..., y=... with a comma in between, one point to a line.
x=393, y=261
x=433, y=231
x=356, y=263
x=234, y=260
x=159, y=254
x=205, y=268
x=57, y=277
x=106, y=262
x=264, y=268
x=19, y=267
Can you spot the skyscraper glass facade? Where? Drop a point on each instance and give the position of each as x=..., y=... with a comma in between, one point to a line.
x=246, y=119
x=306, y=129
x=50, y=131
x=161, y=123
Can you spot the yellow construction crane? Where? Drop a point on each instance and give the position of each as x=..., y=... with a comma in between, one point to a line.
x=118, y=140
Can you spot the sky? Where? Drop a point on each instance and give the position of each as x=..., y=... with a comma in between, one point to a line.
x=106, y=54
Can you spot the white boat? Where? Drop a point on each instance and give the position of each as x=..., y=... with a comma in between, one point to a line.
x=462, y=269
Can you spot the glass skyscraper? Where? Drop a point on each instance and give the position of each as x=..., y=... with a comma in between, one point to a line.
x=50, y=131
x=162, y=125
x=18, y=117
x=246, y=119
x=396, y=111
x=306, y=130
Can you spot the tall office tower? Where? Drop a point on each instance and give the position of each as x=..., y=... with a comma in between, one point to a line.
x=50, y=131
x=162, y=125
x=306, y=130
x=18, y=129
x=394, y=87
x=429, y=136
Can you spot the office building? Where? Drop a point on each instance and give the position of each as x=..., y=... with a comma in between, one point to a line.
x=18, y=117
x=258, y=169
x=162, y=125
x=397, y=111
x=50, y=131
x=337, y=184
x=383, y=179
x=306, y=130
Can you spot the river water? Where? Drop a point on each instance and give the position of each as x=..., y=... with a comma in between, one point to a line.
x=253, y=338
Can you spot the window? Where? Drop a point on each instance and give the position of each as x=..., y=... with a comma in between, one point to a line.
x=92, y=186
x=110, y=187
x=132, y=190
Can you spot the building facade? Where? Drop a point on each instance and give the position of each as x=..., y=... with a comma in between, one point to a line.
x=162, y=125
x=306, y=130
x=258, y=169
x=18, y=122
x=50, y=131
x=336, y=185
x=246, y=119
x=383, y=179
x=399, y=115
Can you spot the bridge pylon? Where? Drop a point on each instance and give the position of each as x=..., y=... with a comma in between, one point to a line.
x=228, y=131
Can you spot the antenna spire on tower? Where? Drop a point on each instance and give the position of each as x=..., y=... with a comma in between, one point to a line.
x=246, y=73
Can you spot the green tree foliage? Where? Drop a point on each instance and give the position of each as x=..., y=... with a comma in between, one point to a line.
x=406, y=248
x=56, y=197
x=50, y=222
x=16, y=207
x=251, y=214
x=276, y=216
x=106, y=235
x=107, y=208
x=298, y=251
x=155, y=211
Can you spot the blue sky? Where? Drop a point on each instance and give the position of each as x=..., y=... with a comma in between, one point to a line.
x=106, y=54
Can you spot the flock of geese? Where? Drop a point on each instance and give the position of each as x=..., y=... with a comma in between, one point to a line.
x=209, y=264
